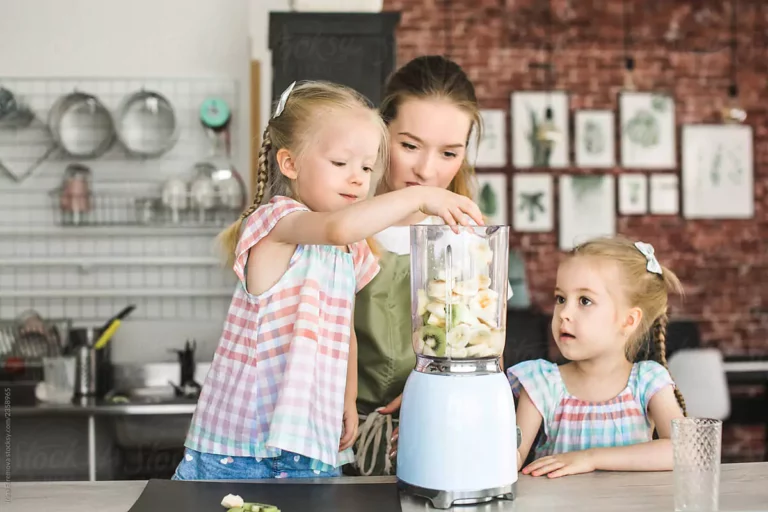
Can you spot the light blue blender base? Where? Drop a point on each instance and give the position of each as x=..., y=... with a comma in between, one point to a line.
x=457, y=441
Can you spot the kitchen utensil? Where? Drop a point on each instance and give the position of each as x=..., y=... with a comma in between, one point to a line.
x=13, y=112
x=58, y=379
x=175, y=197
x=204, y=496
x=146, y=124
x=457, y=439
x=81, y=125
x=85, y=366
x=75, y=193
x=111, y=326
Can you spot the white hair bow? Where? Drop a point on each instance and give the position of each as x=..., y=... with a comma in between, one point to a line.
x=283, y=100
x=647, y=250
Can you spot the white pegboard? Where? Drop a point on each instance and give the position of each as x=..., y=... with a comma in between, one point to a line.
x=89, y=272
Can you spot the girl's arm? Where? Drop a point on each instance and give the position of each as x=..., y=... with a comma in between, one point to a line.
x=370, y=216
x=529, y=420
x=654, y=455
x=350, y=417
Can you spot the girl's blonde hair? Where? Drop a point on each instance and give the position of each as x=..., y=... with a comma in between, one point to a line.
x=644, y=289
x=294, y=129
x=436, y=77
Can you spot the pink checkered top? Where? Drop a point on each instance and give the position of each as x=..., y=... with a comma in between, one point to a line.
x=278, y=376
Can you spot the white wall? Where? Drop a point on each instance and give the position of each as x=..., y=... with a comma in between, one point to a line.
x=137, y=38
x=259, y=30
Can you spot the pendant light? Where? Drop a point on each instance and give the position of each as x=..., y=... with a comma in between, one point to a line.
x=733, y=113
x=548, y=133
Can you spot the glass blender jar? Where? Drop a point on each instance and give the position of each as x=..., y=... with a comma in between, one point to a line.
x=457, y=441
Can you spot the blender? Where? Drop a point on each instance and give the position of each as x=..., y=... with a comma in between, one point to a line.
x=458, y=439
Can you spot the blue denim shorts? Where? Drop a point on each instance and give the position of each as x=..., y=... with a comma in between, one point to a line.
x=209, y=466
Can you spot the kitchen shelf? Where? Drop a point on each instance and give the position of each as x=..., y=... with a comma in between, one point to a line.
x=101, y=231
x=110, y=261
x=112, y=292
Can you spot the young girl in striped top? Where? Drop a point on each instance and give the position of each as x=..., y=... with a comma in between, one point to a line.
x=279, y=398
x=599, y=410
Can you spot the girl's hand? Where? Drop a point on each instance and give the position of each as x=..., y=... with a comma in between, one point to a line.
x=452, y=208
x=349, y=430
x=572, y=463
x=391, y=408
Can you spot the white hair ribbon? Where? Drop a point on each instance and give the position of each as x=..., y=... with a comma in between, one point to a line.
x=283, y=100
x=647, y=250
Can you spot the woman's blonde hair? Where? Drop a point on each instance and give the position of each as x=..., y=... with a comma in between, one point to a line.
x=436, y=77
x=294, y=129
x=644, y=289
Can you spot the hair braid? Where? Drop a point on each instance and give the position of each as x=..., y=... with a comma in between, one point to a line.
x=660, y=339
x=262, y=173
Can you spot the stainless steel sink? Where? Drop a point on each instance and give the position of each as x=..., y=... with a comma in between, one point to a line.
x=151, y=384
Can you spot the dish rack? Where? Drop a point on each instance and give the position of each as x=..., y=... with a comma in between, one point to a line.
x=118, y=208
x=33, y=344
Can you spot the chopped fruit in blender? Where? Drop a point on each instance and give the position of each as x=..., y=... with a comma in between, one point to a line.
x=458, y=337
x=481, y=335
x=421, y=305
x=436, y=321
x=467, y=288
x=484, y=282
x=460, y=314
x=456, y=352
x=480, y=351
x=437, y=309
x=484, y=306
x=436, y=289
x=434, y=339
x=482, y=252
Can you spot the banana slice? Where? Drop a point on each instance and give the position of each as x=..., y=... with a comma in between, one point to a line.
x=484, y=281
x=480, y=335
x=480, y=351
x=459, y=336
x=231, y=501
x=436, y=321
x=468, y=288
x=421, y=304
x=484, y=306
x=482, y=252
x=458, y=353
x=437, y=309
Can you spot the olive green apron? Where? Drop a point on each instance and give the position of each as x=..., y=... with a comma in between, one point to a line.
x=385, y=359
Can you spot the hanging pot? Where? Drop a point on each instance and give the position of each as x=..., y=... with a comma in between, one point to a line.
x=81, y=125
x=146, y=124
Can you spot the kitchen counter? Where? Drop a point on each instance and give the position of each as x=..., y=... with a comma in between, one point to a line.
x=93, y=407
x=742, y=488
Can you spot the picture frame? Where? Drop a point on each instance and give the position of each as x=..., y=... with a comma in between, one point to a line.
x=595, y=138
x=633, y=194
x=533, y=202
x=587, y=208
x=648, y=130
x=491, y=197
x=528, y=116
x=491, y=152
x=718, y=171
x=665, y=194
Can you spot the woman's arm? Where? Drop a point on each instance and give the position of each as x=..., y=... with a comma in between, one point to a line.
x=370, y=216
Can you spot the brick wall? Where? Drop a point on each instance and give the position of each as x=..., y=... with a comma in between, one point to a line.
x=677, y=48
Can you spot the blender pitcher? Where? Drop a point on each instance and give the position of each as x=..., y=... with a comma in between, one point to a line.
x=459, y=291
x=458, y=436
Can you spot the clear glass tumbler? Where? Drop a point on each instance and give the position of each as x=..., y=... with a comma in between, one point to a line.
x=59, y=378
x=696, y=444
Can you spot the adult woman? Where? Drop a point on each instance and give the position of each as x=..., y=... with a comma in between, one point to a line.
x=430, y=109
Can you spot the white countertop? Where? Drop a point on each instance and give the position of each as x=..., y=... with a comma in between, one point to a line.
x=743, y=487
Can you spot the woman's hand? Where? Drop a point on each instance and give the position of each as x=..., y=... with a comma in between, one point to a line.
x=391, y=408
x=571, y=463
x=349, y=429
x=452, y=208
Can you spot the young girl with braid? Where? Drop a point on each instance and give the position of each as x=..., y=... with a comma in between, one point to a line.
x=279, y=400
x=600, y=409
